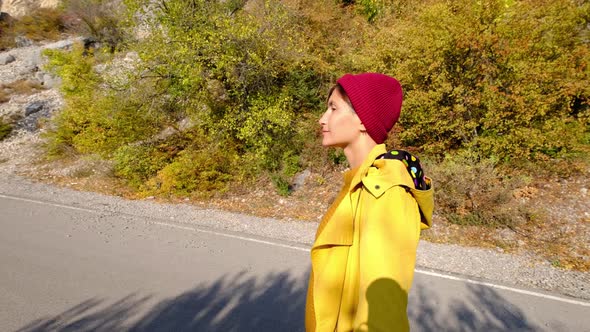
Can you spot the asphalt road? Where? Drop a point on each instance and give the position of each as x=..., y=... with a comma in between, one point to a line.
x=69, y=268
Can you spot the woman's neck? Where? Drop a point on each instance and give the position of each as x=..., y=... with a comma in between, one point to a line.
x=358, y=151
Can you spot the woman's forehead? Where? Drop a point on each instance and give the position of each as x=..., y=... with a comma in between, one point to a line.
x=335, y=96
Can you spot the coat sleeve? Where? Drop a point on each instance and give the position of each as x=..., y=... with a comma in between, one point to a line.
x=389, y=232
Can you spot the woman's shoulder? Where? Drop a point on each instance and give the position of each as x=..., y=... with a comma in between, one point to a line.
x=401, y=159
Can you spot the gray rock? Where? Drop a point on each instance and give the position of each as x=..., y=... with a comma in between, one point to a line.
x=300, y=178
x=22, y=41
x=47, y=80
x=34, y=107
x=38, y=77
x=50, y=81
x=6, y=59
x=65, y=44
x=33, y=60
x=32, y=122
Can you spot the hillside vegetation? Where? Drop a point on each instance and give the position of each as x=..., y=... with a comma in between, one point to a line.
x=214, y=95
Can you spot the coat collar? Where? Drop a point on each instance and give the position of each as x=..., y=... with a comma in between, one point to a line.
x=338, y=228
x=362, y=171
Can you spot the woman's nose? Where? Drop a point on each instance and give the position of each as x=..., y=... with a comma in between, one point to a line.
x=322, y=120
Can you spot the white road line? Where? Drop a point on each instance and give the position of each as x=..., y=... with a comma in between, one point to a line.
x=244, y=238
x=47, y=203
x=515, y=290
x=276, y=244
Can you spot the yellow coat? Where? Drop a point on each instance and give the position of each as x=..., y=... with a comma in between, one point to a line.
x=364, y=253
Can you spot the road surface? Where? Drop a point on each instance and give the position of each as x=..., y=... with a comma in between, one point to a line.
x=70, y=268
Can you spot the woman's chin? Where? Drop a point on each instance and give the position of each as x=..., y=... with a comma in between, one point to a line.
x=326, y=143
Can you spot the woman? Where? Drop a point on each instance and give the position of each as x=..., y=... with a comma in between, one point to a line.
x=364, y=253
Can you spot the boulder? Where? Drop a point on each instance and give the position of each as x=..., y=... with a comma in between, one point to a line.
x=34, y=107
x=34, y=112
x=22, y=41
x=6, y=59
x=63, y=44
x=300, y=179
x=47, y=80
x=33, y=60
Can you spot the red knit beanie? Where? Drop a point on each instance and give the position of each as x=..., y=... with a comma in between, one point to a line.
x=376, y=99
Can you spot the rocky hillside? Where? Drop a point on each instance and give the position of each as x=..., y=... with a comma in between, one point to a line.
x=18, y=8
x=32, y=97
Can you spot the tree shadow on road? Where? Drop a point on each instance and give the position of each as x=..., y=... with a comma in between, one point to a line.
x=232, y=303
x=274, y=303
x=481, y=309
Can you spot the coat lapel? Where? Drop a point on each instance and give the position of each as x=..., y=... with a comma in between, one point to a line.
x=337, y=227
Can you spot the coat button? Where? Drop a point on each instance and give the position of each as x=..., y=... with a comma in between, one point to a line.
x=377, y=187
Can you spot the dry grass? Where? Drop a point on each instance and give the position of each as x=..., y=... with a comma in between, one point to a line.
x=20, y=87
x=86, y=174
x=4, y=96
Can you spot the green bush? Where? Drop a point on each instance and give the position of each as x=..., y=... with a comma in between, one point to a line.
x=498, y=77
x=282, y=184
x=97, y=118
x=369, y=8
x=182, y=164
x=138, y=163
x=240, y=74
x=5, y=129
x=202, y=172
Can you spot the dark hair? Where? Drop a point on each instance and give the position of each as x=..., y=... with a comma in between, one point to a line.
x=342, y=93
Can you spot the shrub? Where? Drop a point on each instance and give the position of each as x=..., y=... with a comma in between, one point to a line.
x=500, y=78
x=96, y=118
x=369, y=8
x=282, y=184
x=138, y=163
x=474, y=192
x=202, y=172
x=79, y=83
x=182, y=164
x=497, y=80
x=40, y=24
x=103, y=20
x=239, y=73
x=5, y=129
x=6, y=35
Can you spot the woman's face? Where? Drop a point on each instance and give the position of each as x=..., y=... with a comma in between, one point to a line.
x=340, y=125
